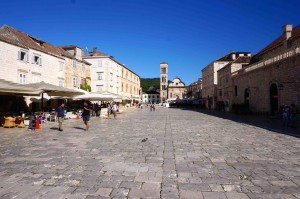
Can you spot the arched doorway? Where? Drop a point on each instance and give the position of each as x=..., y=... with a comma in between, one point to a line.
x=274, y=98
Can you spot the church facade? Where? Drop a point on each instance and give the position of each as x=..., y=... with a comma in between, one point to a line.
x=176, y=89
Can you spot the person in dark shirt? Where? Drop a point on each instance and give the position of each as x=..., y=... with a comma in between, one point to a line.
x=86, y=114
x=60, y=114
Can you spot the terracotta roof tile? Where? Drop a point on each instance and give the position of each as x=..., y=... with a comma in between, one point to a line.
x=96, y=53
x=71, y=46
x=69, y=55
x=18, y=38
x=245, y=59
x=279, y=40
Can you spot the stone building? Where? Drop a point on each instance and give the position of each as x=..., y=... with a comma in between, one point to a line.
x=273, y=77
x=225, y=87
x=77, y=70
x=176, y=89
x=163, y=81
x=151, y=97
x=210, y=80
x=26, y=59
x=130, y=85
x=107, y=74
x=194, y=90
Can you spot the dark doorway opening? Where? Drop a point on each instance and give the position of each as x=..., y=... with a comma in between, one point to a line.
x=247, y=99
x=274, y=99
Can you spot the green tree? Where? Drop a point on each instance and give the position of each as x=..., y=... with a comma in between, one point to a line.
x=84, y=85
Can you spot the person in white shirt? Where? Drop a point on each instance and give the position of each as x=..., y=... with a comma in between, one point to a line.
x=115, y=109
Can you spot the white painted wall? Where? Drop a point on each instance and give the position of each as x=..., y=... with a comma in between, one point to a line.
x=10, y=66
x=107, y=67
x=151, y=97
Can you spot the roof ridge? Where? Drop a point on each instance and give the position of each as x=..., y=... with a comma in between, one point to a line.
x=278, y=40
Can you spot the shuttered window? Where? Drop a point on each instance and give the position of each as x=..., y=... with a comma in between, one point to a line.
x=23, y=56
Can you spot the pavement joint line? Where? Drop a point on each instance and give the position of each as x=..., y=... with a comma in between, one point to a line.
x=187, y=155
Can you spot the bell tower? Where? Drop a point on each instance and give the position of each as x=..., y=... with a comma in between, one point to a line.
x=163, y=81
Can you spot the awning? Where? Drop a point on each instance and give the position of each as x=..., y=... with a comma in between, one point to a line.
x=10, y=88
x=53, y=90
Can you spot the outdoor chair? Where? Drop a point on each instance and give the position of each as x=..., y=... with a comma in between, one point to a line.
x=20, y=122
x=1, y=120
x=52, y=118
x=9, y=122
x=43, y=118
x=17, y=121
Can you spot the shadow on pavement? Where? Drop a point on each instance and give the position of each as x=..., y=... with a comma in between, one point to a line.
x=81, y=128
x=54, y=128
x=265, y=122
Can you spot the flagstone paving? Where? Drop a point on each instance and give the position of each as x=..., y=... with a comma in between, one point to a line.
x=169, y=153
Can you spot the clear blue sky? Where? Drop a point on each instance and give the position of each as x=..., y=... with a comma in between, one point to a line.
x=188, y=34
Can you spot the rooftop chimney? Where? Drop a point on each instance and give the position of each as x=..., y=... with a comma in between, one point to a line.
x=233, y=57
x=287, y=31
x=94, y=50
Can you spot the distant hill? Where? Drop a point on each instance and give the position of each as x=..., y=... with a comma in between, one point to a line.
x=146, y=83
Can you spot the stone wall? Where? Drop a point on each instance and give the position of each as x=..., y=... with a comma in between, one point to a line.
x=75, y=72
x=284, y=73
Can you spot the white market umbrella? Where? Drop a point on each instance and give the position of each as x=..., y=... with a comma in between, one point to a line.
x=70, y=97
x=53, y=90
x=39, y=98
x=10, y=88
x=93, y=97
x=112, y=95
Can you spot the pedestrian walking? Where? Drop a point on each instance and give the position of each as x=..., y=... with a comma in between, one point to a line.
x=151, y=107
x=60, y=115
x=86, y=114
x=108, y=109
x=115, y=110
x=286, y=115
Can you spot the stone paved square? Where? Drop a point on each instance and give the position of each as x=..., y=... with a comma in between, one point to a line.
x=187, y=154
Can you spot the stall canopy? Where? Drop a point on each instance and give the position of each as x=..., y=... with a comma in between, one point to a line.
x=10, y=88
